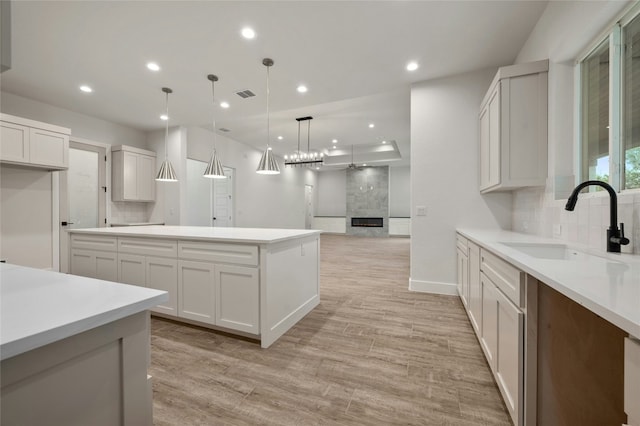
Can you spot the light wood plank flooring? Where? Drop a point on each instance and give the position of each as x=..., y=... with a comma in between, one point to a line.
x=372, y=353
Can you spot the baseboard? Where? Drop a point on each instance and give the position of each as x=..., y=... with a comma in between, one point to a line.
x=433, y=287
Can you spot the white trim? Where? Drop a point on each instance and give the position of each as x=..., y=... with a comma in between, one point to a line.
x=433, y=287
x=55, y=221
x=626, y=15
x=615, y=102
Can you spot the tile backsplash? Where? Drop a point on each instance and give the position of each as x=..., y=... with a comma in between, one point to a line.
x=535, y=211
x=126, y=212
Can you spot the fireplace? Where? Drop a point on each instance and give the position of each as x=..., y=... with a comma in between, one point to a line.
x=368, y=222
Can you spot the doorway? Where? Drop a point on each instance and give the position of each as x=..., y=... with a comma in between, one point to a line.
x=210, y=202
x=82, y=193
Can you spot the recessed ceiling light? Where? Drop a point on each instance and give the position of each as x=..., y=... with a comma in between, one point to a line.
x=164, y=117
x=412, y=66
x=364, y=165
x=86, y=89
x=279, y=138
x=248, y=33
x=371, y=125
x=317, y=168
x=335, y=141
x=153, y=66
x=302, y=88
x=384, y=141
x=224, y=104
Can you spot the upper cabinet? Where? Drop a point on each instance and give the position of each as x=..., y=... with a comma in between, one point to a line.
x=513, y=129
x=133, y=174
x=34, y=144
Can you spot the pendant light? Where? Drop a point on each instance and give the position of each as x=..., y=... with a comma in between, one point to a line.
x=214, y=169
x=268, y=164
x=166, y=172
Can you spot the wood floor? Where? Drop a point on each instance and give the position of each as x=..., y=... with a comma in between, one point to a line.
x=372, y=353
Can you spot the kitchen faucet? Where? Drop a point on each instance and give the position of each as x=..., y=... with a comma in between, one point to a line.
x=615, y=236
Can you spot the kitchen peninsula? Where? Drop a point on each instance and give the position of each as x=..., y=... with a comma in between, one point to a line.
x=248, y=281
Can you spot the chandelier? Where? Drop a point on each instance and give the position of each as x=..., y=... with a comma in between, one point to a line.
x=308, y=158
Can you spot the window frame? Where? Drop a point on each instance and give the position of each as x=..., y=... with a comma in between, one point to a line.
x=616, y=100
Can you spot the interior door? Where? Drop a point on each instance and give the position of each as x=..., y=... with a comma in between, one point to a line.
x=82, y=193
x=308, y=206
x=223, y=200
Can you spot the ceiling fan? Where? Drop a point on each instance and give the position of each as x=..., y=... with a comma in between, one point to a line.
x=352, y=165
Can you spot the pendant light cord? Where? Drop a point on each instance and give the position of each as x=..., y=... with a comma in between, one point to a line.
x=213, y=116
x=166, y=127
x=268, y=130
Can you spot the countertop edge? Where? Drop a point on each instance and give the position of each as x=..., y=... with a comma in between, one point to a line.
x=135, y=231
x=45, y=337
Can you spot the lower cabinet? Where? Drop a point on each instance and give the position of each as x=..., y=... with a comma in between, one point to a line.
x=222, y=295
x=237, y=298
x=196, y=292
x=212, y=283
x=94, y=264
x=502, y=340
x=152, y=272
x=498, y=321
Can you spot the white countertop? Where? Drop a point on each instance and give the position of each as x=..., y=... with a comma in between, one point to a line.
x=39, y=307
x=135, y=223
x=607, y=284
x=235, y=235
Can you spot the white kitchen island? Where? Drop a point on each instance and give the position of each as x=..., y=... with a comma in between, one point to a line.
x=75, y=351
x=252, y=282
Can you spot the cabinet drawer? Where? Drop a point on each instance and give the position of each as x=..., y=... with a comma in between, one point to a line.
x=506, y=277
x=93, y=242
x=215, y=252
x=462, y=244
x=148, y=246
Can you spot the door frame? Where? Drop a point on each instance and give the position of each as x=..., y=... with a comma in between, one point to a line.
x=103, y=151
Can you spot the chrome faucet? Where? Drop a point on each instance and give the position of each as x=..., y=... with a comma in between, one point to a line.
x=615, y=236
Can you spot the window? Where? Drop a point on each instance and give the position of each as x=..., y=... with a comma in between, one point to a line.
x=610, y=107
x=631, y=95
x=595, y=114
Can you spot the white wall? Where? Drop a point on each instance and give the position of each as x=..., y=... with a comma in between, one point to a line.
x=26, y=217
x=444, y=176
x=261, y=201
x=332, y=193
x=82, y=126
x=562, y=34
x=399, y=191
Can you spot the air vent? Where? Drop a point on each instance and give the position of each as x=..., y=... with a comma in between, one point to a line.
x=224, y=129
x=244, y=94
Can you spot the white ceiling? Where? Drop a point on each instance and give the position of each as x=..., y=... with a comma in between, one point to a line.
x=350, y=54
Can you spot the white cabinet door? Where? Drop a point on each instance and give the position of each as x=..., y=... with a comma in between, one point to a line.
x=484, y=148
x=145, y=178
x=632, y=380
x=489, y=335
x=493, y=168
x=131, y=269
x=48, y=148
x=14, y=145
x=509, y=358
x=83, y=263
x=237, y=298
x=130, y=177
x=162, y=274
x=475, y=299
x=94, y=264
x=463, y=277
x=196, y=291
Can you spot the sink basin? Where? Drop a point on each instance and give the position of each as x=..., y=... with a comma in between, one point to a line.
x=548, y=251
